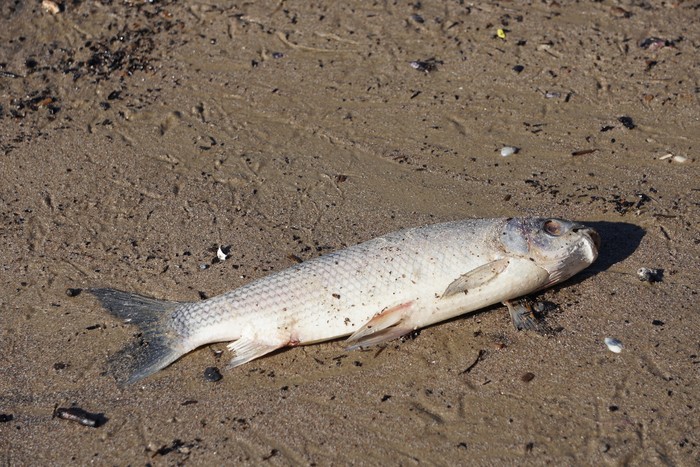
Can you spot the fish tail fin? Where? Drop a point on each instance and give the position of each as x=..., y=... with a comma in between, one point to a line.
x=158, y=345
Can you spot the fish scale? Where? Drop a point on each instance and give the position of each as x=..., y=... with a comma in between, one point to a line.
x=371, y=276
x=374, y=291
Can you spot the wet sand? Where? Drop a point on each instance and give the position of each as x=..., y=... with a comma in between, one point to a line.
x=136, y=139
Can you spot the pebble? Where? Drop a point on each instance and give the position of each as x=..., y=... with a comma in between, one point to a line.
x=509, y=151
x=627, y=122
x=650, y=275
x=613, y=344
x=527, y=377
x=426, y=66
x=212, y=374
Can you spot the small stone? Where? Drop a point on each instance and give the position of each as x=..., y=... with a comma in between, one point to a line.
x=212, y=374
x=426, y=66
x=527, y=377
x=650, y=275
x=627, y=122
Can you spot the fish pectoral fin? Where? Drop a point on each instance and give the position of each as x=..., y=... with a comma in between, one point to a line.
x=383, y=327
x=522, y=314
x=476, y=277
x=247, y=349
x=524, y=317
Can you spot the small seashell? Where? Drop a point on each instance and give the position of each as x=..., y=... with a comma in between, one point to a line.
x=679, y=159
x=221, y=255
x=613, y=344
x=666, y=156
x=509, y=151
x=50, y=6
x=427, y=66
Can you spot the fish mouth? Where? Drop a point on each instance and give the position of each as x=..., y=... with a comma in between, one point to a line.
x=581, y=255
x=595, y=237
x=591, y=238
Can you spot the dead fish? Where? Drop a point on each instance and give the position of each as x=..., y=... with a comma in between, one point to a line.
x=374, y=291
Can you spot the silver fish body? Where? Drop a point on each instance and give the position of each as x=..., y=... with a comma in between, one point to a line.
x=374, y=291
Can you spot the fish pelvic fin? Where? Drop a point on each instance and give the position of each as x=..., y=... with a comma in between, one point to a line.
x=158, y=345
x=383, y=327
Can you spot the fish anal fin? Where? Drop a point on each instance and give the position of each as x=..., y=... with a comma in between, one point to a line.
x=247, y=349
x=476, y=277
x=383, y=327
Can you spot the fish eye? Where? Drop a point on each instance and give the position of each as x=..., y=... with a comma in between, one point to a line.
x=553, y=227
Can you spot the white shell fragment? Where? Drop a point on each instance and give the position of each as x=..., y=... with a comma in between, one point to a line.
x=613, y=344
x=508, y=151
x=221, y=255
x=50, y=6
x=676, y=158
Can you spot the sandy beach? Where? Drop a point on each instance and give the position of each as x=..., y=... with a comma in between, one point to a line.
x=136, y=138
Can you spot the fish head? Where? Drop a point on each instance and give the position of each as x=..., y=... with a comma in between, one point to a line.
x=561, y=247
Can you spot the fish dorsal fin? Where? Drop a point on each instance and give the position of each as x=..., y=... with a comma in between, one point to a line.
x=476, y=277
x=384, y=326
